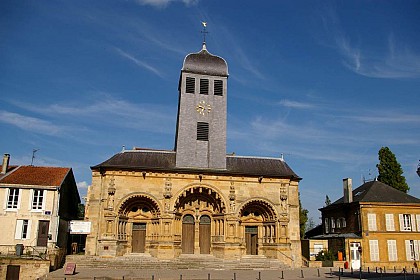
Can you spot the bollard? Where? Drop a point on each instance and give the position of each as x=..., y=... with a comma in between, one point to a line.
x=259, y=275
x=234, y=276
x=282, y=276
x=342, y=271
x=153, y=277
x=385, y=269
x=412, y=270
x=360, y=273
x=368, y=269
x=301, y=273
x=330, y=272
x=123, y=278
x=376, y=269
x=395, y=270
x=339, y=275
x=208, y=276
x=180, y=277
x=405, y=274
x=319, y=275
x=351, y=270
x=380, y=270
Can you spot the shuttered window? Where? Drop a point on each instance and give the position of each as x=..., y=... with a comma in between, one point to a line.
x=190, y=85
x=389, y=221
x=13, y=199
x=204, y=86
x=218, y=87
x=23, y=229
x=405, y=222
x=38, y=199
x=412, y=250
x=392, y=250
x=202, y=131
x=371, y=221
x=374, y=250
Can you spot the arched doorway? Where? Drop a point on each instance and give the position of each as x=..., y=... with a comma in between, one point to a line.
x=258, y=219
x=199, y=205
x=138, y=218
x=205, y=234
x=188, y=234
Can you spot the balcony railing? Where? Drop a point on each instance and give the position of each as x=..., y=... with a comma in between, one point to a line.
x=20, y=251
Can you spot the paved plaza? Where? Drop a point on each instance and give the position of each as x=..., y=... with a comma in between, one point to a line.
x=192, y=274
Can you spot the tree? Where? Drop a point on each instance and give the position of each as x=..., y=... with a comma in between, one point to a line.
x=327, y=200
x=303, y=218
x=390, y=171
x=80, y=211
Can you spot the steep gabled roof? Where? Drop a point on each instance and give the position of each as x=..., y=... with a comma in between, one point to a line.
x=36, y=176
x=376, y=191
x=157, y=160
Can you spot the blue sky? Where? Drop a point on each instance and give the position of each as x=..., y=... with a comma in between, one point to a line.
x=325, y=83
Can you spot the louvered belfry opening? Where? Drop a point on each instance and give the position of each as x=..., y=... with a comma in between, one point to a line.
x=218, y=87
x=190, y=85
x=204, y=86
x=203, y=131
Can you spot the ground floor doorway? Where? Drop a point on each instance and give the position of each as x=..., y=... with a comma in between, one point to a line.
x=251, y=240
x=42, y=238
x=188, y=234
x=355, y=255
x=138, y=242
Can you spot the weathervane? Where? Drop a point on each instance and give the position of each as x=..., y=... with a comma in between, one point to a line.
x=204, y=32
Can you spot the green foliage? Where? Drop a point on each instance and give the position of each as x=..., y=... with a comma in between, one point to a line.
x=80, y=211
x=303, y=218
x=327, y=200
x=325, y=256
x=390, y=171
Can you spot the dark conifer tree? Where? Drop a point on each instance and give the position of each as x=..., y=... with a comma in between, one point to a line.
x=390, y=171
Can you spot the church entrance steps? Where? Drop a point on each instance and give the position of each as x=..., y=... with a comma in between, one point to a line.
x=142, y=261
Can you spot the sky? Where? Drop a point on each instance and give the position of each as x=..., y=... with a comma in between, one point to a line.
x=326, y=84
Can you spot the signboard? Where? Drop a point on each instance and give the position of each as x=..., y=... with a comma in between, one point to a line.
x=70, y=269
x=80, y=227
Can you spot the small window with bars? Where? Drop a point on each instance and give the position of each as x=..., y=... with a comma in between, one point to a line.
x=203, y=131
x=190, y=85
x=204, y=86
x=218, y=87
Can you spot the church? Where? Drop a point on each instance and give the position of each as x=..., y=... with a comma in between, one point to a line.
x=195, y=199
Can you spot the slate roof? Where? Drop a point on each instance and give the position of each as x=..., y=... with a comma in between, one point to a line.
x=35, y=176
x=376, y=191
x=205, y=63
x=155, y=160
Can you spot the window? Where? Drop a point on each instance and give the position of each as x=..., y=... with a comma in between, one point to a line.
x=218, y=87
x=405, y=222
x=204, y=86
x=389, y=222
x=374, y=250
x=37, y=199
x=202, y=131
x=338, y=222
x=343, y=222
x=13, y=199
x=392, y=250
x=371, y=221
x=190, y=85
x=332, y=223
x=418, y=222
x=326, y=225
x=23, y=229
x=411, y=250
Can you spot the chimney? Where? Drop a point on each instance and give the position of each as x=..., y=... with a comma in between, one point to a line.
x=348, y=190
x=5, y=164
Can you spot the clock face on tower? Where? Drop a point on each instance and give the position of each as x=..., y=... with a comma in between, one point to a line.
x=202, y=107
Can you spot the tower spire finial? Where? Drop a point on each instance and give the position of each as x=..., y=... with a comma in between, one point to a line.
x=204, y=32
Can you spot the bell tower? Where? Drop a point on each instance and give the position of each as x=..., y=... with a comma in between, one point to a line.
x=202, y=110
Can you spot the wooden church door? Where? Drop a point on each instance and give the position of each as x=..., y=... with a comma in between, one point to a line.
x=251, y=240
x=139, y=238
x=188, y=233
x=205, y=234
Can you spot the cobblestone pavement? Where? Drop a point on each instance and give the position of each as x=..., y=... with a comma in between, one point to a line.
x=191, y=274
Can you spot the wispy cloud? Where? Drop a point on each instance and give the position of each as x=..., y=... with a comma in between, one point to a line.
x=397, y=61
x=165, y=3
x=31, y=124
x=394, y=118
x=138, y=62
x=296, y=104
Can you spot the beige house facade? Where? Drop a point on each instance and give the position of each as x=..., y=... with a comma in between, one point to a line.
x=374, y=225
x=195, y=199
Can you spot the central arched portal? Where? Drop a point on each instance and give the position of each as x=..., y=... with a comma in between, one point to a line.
x=202, y=210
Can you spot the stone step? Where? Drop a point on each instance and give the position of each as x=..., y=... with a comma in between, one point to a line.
x=182, y=262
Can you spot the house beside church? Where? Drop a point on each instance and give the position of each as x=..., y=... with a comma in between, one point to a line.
x=374, y=225
x=195, y=199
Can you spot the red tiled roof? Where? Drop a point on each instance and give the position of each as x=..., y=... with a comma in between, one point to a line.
x=36, y=175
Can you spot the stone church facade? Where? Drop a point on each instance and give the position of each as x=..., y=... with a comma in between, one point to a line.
x=195, y=199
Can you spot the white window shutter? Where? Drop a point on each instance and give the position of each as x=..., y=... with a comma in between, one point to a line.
x=401, y=217
x=371, y=221
x=407, y=250
x=18, y=232
x=31, y=199
x=6, y=195
x=418, y=222
x=28, y=234
x=44, y=201
x=413, y=223
x=389, y=221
